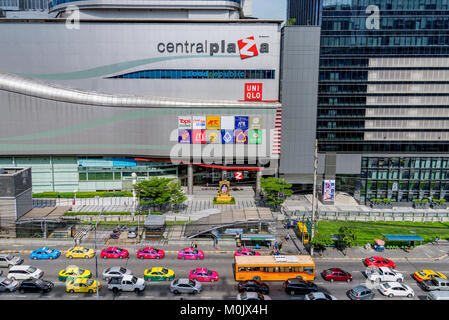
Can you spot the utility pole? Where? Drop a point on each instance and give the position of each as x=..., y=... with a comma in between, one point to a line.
x=96, y=256
x=314, y=200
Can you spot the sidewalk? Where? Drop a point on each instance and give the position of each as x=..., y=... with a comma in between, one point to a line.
x=428, y=252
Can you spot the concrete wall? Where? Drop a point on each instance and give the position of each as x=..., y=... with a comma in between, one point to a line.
x=299, y=94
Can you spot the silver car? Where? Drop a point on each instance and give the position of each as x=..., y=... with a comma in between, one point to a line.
x=252, y=296
x=8, y=285
x=115, y=272
x=185, y=285
x=319, y=296
x=8, y=260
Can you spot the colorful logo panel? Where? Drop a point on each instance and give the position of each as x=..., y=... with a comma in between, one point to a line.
x=255, y=122
x=184, y=136
x=227, y=122
x=199, y=123
x=213, y=136
x=227, y=136
x=241, y=122
x=198, y=136
x=241, y=136
x=184, y=122
x=213, y=122
x=255, y=136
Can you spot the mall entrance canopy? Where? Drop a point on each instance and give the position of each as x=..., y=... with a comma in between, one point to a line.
x=244, y=219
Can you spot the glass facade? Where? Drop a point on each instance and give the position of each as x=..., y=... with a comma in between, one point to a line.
x=370, y=51
x=404, y=179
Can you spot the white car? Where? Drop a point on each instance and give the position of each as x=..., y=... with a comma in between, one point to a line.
x=24, y=272
x=396, y=289
x=384, y=274
x=115, y=272
x=319, y=296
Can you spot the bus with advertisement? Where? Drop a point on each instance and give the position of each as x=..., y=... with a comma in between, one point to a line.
x=274, y=268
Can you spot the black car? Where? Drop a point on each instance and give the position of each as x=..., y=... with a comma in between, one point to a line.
x=253, y=286
x=36, y=285
x=298, y=286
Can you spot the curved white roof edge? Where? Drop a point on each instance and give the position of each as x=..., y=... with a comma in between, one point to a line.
x=32, y=87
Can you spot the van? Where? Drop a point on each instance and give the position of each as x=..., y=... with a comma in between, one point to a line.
x=24, y=272
x=438, y=295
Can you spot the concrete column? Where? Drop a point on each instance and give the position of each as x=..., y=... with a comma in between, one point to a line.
x=190, y=179
x=223, y=175
x=258, y=183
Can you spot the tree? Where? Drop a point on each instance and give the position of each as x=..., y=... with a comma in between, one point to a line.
x=290, y=22
x=346, y=237
x=321, y=241
x=177, y=194
x=275, y=190
x=160, y=192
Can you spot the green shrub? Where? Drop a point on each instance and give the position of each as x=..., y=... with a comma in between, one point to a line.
x=221, y=202
x=82, y=194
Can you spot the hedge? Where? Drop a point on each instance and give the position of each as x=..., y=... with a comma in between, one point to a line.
x=221, y=202
x=71, y=195
x=72, y=213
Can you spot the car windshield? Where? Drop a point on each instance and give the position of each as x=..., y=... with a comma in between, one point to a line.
x=387, y=286
x=9, y=257
x=85, y=249
x=48, y=250
x=194, y=251
x=79, y=271
x=422, y=273
x=175, y=282
x=243, y=296
x=119, y=250
x=311, y=296
x=434, y=282
x=122, y=270
x=7, y=281
x=31, y=269
x=164, y=270
x=134, y=279
x=191, y=282
x=329, y=271
x=89, y=282
x=39, y=282
x=209, y=272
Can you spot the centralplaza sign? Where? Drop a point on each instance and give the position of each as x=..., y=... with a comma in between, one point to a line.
x=247, y=47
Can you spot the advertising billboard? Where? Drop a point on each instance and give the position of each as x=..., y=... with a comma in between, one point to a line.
x=329, y=190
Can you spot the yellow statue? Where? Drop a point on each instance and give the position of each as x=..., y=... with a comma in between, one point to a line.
x=223, y=192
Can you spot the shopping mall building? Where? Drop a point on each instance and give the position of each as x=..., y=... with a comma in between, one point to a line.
x=92, y=91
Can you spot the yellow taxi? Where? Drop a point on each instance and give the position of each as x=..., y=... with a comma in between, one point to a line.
x=72, y=272
x=159, y=274
x=82, y=285
x=427, y=275
x=80, y=252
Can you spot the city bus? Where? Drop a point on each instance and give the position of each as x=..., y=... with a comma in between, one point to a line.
x=274, y=268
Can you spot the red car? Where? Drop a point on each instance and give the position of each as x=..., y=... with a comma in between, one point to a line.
x=246, y=252
x=336, y=274
x=190, y=253
x=203, y=274
x=150, y=253
x=114, y=252
x=379, y=262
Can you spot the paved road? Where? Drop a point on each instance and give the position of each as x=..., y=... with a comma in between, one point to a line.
x=224, y=289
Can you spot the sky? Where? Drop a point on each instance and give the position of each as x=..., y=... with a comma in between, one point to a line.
x=270, y=9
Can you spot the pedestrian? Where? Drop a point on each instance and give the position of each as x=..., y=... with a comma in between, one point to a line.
x=280, y=247
x=195, y=245
x=436, y=239
x=287, y=237
x=192, y=245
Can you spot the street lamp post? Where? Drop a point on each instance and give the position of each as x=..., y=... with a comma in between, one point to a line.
x=134, y=175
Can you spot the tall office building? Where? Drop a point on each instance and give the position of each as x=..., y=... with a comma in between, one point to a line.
x=383, y=98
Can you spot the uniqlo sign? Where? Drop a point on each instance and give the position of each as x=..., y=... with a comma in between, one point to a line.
x=238, y=175
x=253, y=91
x=248, y=48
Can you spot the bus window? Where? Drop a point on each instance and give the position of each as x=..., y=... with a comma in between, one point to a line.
x=308, y=270
x=298, y=269
x=269, y=269
x=276, y=269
